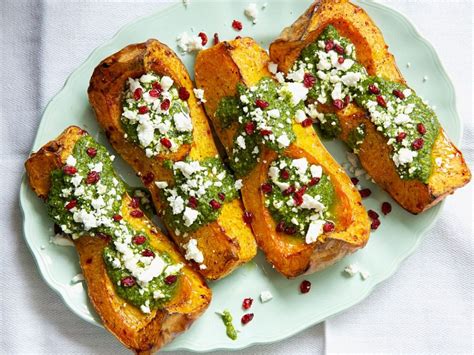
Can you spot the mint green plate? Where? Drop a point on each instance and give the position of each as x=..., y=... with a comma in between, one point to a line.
x=289, y=312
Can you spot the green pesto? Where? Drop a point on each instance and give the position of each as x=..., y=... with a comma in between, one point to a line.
x=276, y=201
x=64, y=218
x=356, y=137
x=132, y=294
x=421, y=166
x=329, y=126
x=229, y=327
x=233, y=109
x=215, y=173
x=422, y=113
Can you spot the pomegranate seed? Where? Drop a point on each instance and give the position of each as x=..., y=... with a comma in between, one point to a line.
x=354, y=180
x=374, y=89
x=261, y=104
x=170, y=279
x=266, y=188
x=148, y=253
x=421, y=128
x=221, y=196
x=203, y=38
x=237, y=25
x=157, y=86
x=142, y=110
x=375, y=224
x=139, y=239
x=128, y=281
x=214, y=204
x=284, y=174
x=265, y=132
x=216, y=38
x=381, y=101
x=148, y=178
x=165, y=105
x=249, y=128
x=290, y=230
x=309, y=80
x=398, y=94
x=92, y=152
x=329, y=45
x=418, y=143
x=328, y=227
x=280, y=226
x=347, y=100
x=137, y=94
x=298, y=199
x=307, y=122
x=340, y=60
x=248, y=217
x=183, y=93
x=314, y=181
x=365, y=193
x=289, y=191
x=154, y=93
x=386, y=208
x=305, y=286
x=135, y=202
x=339, y=49
x=238, y=37
x=247, y=303
x=401, y=136
x=69, y=170
x=338, y=104
x=71, y=204
x=92, y=178
x=246, y=318
x=117, y=217
x=165, y=142
x=193, y=202
x=136, y=213
x=373, y=215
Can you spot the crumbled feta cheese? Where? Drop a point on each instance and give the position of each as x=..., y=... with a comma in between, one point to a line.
x=283, y=141
x=351, y=270
x=315, y=229
x=272, y=67
x=193, y=252
x=77, y=278
x=183, y=122
x=189, y=216
x=161, y=184
x=71, y=161
x=199, y=93
x=238, y=184
x=251, y=12
x=364, y=275
x=60, y=240
x=189, y=43
x=265, y=296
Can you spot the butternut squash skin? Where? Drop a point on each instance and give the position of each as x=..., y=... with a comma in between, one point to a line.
x=225, y=243
x=372, y=52
x=142, y=333
x=218, y=71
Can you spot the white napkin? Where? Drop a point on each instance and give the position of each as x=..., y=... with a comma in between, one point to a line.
x=425, y=307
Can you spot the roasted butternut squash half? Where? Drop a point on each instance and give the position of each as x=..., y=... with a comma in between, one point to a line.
x=144, y=100
x=305, y=212
x=358, y=94
x=139, y=284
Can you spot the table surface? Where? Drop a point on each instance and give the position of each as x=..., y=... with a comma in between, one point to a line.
x=426, y=307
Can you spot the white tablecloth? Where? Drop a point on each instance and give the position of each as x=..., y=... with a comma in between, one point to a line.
x=426, y=307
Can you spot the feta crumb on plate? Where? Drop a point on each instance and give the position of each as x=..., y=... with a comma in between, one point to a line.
x=265, y=296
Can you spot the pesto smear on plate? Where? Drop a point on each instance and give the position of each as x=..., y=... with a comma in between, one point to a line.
x=88, y=198
x=335, y=78
x=155, y=114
